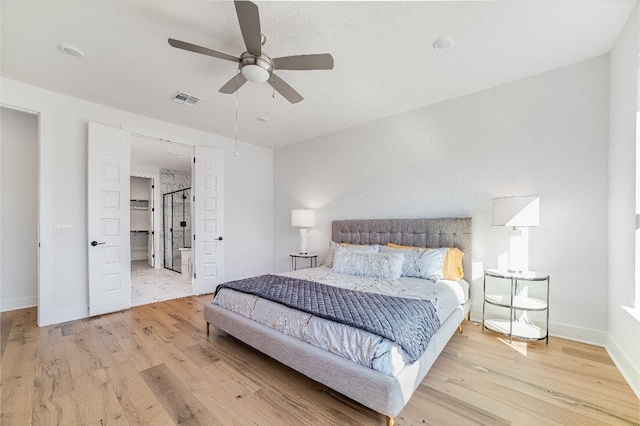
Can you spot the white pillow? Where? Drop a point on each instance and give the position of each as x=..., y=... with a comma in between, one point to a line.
x=378, y=265
x=426, y=263
x=360, y=248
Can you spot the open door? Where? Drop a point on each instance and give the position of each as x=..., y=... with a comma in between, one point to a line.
x=208, y=219
x=109, y=252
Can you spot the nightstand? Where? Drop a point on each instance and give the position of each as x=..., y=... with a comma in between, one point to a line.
x=313, y=259
x=521, y=294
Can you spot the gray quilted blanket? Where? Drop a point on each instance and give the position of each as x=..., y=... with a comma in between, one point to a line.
x=410, y=323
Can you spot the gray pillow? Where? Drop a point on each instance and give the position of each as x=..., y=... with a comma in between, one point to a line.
x=378, y=265
x=333, y=246
x=427, y=263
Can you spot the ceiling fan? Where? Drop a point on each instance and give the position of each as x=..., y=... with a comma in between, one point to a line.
x=254, y=64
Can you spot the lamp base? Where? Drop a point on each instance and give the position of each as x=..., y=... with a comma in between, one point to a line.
x=518, y=250
x=303, y=240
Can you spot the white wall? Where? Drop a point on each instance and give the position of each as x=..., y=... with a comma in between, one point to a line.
x=544, y=135
x=64, y=127
x=19, y=216
x=623, y=340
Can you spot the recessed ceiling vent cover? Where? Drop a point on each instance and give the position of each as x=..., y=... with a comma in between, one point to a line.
x=185, y=98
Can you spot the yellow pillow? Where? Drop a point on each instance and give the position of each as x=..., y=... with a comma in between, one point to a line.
x=391, y=245
x=452, y=266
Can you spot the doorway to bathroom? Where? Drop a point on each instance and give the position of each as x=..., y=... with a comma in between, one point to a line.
x=160, y=220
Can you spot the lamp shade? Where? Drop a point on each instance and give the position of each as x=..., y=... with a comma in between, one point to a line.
x=303, y=218
x=516, y=211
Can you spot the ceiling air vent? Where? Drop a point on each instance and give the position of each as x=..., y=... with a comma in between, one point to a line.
x=185, y=98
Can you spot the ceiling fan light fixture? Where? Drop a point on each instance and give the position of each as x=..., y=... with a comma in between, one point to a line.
x=255, y=73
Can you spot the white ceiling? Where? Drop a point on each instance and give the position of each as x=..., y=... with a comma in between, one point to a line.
x=163, y=155
x=384, y=62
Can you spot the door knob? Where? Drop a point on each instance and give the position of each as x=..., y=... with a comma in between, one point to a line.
x=95, y=243
x=220, y=238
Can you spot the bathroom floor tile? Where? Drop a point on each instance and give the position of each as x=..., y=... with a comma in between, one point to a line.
x=151, y=285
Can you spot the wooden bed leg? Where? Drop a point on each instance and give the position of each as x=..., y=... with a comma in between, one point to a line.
x=207, y=328
x=390, y=421
x=460, y=328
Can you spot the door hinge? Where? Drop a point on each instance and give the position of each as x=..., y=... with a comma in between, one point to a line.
x=153, y=209
x=194, y=198
x=153, y=186
x=194, y=160
x=194, y=237
x=194, y=275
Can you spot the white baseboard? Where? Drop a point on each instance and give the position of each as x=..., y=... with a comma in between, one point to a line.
x=629, y=370
x=18, y=303
x=579, y=334
x=569, y=332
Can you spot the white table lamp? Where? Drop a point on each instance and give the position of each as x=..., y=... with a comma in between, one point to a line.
x=304, y=219
x=520, y=213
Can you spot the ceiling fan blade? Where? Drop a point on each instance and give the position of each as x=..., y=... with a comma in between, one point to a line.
x=203, y=50
x=249, y=19
x=284, y=89
x=234, y=84
x=323, y=61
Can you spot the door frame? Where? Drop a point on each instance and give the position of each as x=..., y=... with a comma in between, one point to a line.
x=45, y=268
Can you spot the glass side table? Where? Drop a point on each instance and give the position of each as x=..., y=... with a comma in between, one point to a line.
x=518, y=302
x=313, y=260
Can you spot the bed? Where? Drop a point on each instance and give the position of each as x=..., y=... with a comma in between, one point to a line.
x=386, y=392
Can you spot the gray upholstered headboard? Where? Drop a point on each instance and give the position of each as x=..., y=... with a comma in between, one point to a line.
x=440, y=232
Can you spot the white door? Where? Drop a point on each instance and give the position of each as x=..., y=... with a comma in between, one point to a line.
x=109, y=152
x=150, y=222
x=208, y=219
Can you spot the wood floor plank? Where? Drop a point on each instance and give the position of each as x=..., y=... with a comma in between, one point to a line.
x=97, y=402
x=59, y=410
x=82, y=356
x=139, y=404
x=183, y=407
x=6, y=320
x=52, y=373
x=17, y=378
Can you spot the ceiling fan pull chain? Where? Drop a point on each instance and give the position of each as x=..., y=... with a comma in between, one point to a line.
x=237, y=87
x=273, y=86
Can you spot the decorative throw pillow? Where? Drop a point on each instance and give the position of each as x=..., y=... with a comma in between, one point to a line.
x=378, y=265
x=452, y=268
x=421, y=262
x=333, y=246
x=432, y=264
x=414, y=261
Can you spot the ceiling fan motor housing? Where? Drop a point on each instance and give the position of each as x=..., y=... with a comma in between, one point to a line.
x=256, y=68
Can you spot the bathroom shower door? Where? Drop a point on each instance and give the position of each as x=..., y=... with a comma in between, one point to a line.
x=176, y=208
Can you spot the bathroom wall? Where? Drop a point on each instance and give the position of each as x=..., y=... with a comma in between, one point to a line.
x=19, y=209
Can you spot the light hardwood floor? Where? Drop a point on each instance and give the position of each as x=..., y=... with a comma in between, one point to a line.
x=154, y=364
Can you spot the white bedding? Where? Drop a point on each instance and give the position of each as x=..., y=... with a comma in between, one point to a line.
x=361, y=346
